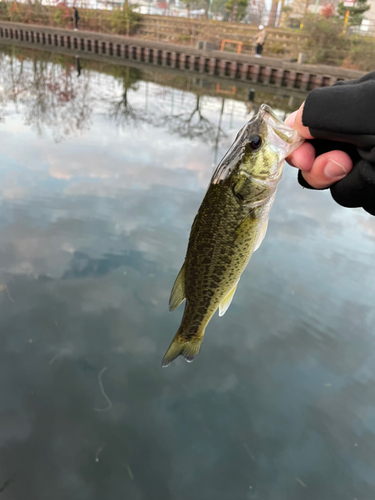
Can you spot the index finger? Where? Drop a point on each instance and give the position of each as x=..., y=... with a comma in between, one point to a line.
x=294, y=121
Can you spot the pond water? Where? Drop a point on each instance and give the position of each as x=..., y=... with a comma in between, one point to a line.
x=102, y=170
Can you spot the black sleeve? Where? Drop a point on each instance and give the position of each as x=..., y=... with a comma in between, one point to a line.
x=343, y=117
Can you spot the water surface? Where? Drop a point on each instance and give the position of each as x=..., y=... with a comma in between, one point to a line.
x=102, y=170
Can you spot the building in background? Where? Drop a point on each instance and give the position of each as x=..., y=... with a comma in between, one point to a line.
x=368, y=23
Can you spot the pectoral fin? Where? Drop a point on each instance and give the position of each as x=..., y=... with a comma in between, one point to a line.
x=225, y=303
x=178, y=290
x=261, y=235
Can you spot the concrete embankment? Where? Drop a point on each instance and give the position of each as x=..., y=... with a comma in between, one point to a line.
x=223, y=65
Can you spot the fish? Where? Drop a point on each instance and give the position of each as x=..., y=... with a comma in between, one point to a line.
x=229, y=227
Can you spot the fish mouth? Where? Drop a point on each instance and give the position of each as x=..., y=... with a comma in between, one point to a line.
x=280, y=135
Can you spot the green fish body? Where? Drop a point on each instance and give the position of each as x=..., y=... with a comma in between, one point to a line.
x=229, y=226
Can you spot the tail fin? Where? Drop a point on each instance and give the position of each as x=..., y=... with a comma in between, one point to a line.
x=180, y=346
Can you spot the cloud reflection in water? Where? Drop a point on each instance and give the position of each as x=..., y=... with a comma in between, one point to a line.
x=93, y=229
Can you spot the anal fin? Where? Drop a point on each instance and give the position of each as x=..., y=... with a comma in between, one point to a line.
x=225, y=303
x=178, y=290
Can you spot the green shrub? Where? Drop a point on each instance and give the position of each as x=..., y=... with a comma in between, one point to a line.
x=241, y=8
x=36, y=13
x=62, y=16
x=4, y=11
x=276, y=48
x=58, y=17
x=361, y=55
x=183, y=37
x=124, y=20
x=326, y=44
x=15, y=12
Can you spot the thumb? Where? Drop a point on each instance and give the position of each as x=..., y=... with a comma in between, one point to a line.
x=327, y=169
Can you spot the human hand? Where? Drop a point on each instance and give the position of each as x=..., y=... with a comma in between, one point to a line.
x=319, y=171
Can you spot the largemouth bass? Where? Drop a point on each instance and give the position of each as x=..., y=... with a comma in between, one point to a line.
x=229, y=226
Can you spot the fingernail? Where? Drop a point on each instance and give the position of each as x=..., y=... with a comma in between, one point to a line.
x=333, y=169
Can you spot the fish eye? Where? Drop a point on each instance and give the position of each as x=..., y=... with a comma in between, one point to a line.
x=255, y=141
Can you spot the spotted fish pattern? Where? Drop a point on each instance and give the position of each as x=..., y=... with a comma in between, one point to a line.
x=229, y=226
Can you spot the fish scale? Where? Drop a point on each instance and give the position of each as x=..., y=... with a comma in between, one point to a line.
x=229, y=226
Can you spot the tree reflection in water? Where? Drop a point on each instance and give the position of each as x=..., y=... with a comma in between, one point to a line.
x=60, y=101
x=185, y=122
x=58, y=94
x=120, y=109
x=192, y=124
x=54, y=100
